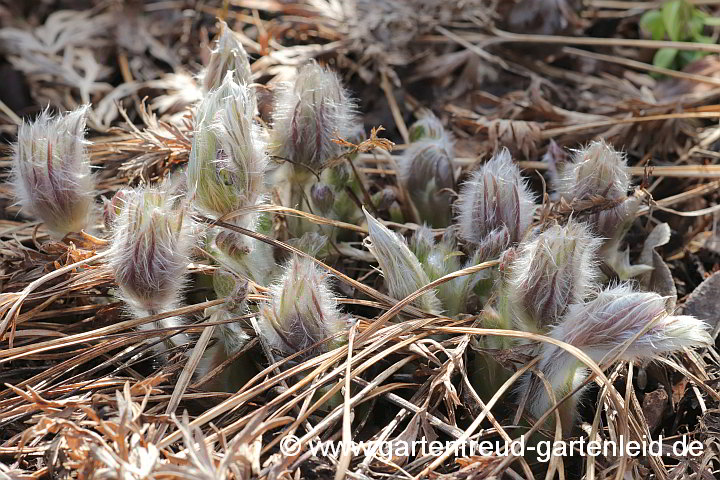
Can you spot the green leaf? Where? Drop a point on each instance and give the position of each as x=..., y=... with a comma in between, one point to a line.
x=665, y=57
x=697, y=13
x=684, y=57
x=695, y=25
x=675, y=16
x=652, y=22
x=712, y=21
x=704, y=39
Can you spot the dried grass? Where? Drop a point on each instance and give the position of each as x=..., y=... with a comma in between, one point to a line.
x=82, y=396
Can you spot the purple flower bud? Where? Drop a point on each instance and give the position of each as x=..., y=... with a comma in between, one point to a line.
x=619, y=322
x=112, y=208
x=599, y=171
x=309, y=115
x=51, y=171
x=617, y=315
x=549, y=273
x=150, y=247
x=302, y=310
x=425, y=170
x=322, y=197
x=496, y=203
x=557, y=159
x=596, y=170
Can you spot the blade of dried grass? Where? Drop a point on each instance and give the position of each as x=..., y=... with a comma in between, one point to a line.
x=502, y=36
x=12, y=115
x=12, y=314
x=477, y=421
x=384, y=318
x=682, y=197
x=673, y=171
x=299, y=213
x=642, y=66
x=371, y=292
x=346, y=456
x=185, y=377
x=554, y=132
x=11, y=354
x=386, y=87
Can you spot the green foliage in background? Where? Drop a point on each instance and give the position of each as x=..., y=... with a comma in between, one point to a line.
x=679, y=21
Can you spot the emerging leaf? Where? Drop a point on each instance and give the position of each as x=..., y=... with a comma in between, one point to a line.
x=401, y=269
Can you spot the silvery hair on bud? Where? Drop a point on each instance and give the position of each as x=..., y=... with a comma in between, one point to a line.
x=427, y=127
x=51, y=171
x=151, y=243
x=241, y=139
x=401, y=269
x=599, y=171
x=602, y=328
x=228, y=56
x=425, y=170
x=302, y=311
x=495, y=204
x=596, y=170
x=227, y=163
x=309, y=114
x=553, y=270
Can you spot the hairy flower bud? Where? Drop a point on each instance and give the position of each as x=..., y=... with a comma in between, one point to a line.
x=425, y=170
x=428, y=127
x=228, y=56
x=617, y=315
x=112, y=208
x=495, y=204
x=309, y=115
x=384, y=198
x=244, y=255
x=150, y=247
x=619, y=323
x=596, y=170
x=302, y=311
x=600, y=172
x=227, y=162
x=51, y=171
x=322, y=197
x=549, y=273
x=556, y=159
x=232, y=288
x=401, y=269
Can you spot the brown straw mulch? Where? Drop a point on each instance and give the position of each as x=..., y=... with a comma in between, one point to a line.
x=83, y=394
